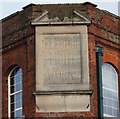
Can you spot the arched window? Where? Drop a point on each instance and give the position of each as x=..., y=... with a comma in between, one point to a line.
x=15, y=92
x=110, y=91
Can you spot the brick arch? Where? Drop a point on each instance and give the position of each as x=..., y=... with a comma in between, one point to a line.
x=114, y=66
x=110, y=59
x=9, y=69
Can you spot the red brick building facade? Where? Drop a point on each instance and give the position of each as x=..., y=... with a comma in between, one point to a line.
x=18, y=49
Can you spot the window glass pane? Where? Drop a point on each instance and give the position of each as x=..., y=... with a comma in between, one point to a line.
x=109, y=110
x=116, y=103
x=12, y=89
x=17, y=87
x=20, y=86
x=18, y=113
x=108, y=93
x=21, y=103
x=115, y=112
x=108, y=101
x=17, y=96
x=17, y=78
x=12, y=81
x=105, y=101
x=12, y=99
x=15, y=71
x=114, y=96
x=21, y=113
x=19, y=71
x=21, y=96
x=12, y=114
x=18, y=105
x=104, y=109
x=12, y=107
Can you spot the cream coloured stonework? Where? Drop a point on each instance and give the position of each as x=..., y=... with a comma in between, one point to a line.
x=62, y=65
x=62, y=103
x=62, y=58
x=76, y=18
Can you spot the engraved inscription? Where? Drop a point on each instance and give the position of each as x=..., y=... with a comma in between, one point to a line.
x=62, y=59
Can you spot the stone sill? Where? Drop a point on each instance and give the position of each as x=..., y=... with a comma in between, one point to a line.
x=78, y=92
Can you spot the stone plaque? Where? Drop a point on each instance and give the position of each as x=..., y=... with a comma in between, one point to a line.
x=61, y=59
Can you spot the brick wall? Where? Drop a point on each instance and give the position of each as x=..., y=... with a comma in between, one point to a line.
x=19, y=49
x=104, y=32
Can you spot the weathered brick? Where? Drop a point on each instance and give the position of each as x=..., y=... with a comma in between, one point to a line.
x=19, y=49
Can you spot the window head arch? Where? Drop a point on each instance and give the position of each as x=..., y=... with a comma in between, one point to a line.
x=15, y=92
x=110, y=90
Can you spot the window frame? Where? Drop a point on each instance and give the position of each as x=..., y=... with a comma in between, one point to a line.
x=15, y=92
x=111, y=89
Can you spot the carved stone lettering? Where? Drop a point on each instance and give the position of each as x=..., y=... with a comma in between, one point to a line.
x=62, y=59
x=62, y=62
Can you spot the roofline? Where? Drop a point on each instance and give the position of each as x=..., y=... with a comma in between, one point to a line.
x=111, y=14
x=31, y=4
x=10, y=16
x=89, y=3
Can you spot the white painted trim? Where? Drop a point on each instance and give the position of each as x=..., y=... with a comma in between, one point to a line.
x=16, y=92
x=107, y=115
x=9, y=107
